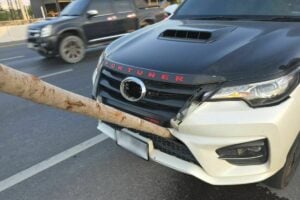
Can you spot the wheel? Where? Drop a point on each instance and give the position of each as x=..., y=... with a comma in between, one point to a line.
x=71, y=49
x=284, y=176
x=46, y=54
x=146, y=23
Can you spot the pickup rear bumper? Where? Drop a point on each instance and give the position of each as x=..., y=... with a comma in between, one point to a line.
x=215, y=125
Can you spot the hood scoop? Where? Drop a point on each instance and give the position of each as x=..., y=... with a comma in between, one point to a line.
x=186, y=35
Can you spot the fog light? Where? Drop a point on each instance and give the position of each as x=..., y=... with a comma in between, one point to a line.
x=252, y=153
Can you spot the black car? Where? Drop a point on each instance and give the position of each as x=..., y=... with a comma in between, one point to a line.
x=223, y=76
x=84, y=23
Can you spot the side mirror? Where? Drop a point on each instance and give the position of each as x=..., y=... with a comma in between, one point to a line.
x=170, y=10
x=92, y=13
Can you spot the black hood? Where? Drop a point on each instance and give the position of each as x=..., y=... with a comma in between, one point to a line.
x=243, y=51
x=50, y=21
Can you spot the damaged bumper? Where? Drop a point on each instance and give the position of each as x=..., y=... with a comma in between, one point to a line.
x=216, y=125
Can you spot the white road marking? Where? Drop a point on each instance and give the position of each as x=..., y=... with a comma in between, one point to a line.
x=11, y=58
x=56, y=73
x=50, y=162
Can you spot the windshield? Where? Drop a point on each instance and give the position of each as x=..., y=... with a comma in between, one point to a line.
x=238, y=8
x=75, y=8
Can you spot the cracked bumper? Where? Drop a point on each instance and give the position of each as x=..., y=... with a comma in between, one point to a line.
x=214, y=125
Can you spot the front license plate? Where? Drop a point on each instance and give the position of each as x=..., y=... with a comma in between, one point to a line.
x=133, y=144
x=30, y=45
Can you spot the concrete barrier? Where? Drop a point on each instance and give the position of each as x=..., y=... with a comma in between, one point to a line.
x=13, y=33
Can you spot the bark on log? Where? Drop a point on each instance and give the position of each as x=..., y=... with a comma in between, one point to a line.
x=29, y=87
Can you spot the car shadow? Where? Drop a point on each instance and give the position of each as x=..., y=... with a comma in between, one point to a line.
x=195, y=189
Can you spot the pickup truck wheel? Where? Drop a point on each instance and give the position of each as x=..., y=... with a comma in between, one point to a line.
x=146, y=23
x=72, y=49
x=284, y=176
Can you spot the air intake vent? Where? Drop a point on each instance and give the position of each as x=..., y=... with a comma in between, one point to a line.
x=186, y=35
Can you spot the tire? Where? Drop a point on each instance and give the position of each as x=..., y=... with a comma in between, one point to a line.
x=71, y=49
x=146, y=23
x=284, y=176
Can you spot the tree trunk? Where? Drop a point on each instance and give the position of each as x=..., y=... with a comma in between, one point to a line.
x=22, y=7
x=29, y=87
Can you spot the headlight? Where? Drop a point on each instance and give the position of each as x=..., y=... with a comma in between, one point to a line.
x=260, y=94
x=98, y=68
x=46, y=31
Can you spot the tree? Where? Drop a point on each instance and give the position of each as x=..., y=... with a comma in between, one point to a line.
x=21, y=6
x=29, y=87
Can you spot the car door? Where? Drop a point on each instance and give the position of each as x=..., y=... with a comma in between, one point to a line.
x=126, y=16
x=102, y=24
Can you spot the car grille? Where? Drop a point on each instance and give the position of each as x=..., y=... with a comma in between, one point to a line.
x=172, y=147
x=162, y=101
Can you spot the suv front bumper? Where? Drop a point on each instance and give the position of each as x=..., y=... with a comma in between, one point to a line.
x=46, y=45
x=214, y=125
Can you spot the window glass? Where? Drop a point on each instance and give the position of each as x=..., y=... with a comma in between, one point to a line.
x=123, y=5
x=102, y=6
x=75, y=8
x=146, y=3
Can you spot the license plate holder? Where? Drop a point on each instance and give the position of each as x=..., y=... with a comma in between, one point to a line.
x=133, y=144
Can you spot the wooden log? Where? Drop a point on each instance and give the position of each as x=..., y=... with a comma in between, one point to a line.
x=29, y=87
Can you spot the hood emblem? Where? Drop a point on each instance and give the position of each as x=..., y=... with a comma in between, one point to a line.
x=133, y=89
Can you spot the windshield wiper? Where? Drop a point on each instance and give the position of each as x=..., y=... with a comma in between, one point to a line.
x=252, y=18
x=229, y=18
x=281, y=19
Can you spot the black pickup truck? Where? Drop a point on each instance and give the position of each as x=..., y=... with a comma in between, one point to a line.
x=84, y=23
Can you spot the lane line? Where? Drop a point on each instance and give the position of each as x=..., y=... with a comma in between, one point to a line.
x=11, y=58
x=56, y=73
x=50, y=162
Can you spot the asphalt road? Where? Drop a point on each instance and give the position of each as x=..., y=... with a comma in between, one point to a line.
x=40, y=155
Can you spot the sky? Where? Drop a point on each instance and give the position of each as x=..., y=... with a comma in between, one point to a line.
x=3, y=3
